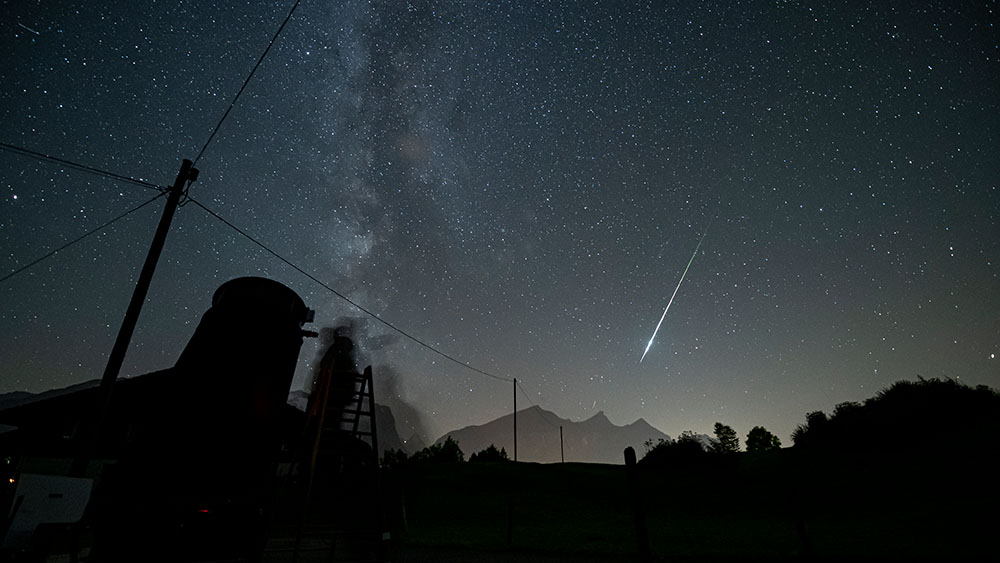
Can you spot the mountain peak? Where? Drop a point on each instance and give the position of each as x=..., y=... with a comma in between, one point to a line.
x=595, y=439
x=599, y=418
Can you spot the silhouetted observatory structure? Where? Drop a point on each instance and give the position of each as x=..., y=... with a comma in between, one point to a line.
x=193, y=448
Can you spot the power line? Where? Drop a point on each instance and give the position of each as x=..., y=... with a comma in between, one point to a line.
x=83, y=167
x=162, y=190
x=526, y=396
x=247, y=81
x=347, y=299
x=78, y=239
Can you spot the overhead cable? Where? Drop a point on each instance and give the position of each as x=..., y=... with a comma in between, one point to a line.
x=347, y=299
x=540, y=410
x=79, y=238
x=247, y=81
x=75, y=165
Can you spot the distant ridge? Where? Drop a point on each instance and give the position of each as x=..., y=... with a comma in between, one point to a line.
x=595, y=440
x=18, y=398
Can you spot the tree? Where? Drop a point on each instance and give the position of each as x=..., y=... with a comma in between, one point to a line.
x=847, y=408
x=816, y=425
x=689, y=441
x=760, y=440
x=491, y=453
x=394, y=458
x=686, y=449
x=726, y=439
x=923, y=415
x=445, y=452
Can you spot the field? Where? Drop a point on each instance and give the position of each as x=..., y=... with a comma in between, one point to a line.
x=785, y=505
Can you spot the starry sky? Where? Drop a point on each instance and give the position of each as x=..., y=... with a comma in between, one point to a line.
x=521, y=186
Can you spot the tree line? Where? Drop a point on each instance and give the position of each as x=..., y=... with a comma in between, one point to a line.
x=943, y=414
x=907, y=414
x=445, y=452
x=691, y=447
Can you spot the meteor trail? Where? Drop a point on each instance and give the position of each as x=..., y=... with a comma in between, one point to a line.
x=28, y=28
x=695, y=253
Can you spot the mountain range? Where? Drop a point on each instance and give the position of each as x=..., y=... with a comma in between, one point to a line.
x=595, y=440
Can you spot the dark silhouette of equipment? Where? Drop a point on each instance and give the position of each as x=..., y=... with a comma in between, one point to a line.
x=196, y=476
x=340, y=510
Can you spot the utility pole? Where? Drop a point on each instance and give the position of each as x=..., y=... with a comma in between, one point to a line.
x=562, y=454
x=515, y=419
x=510, y=492
x=91, y=433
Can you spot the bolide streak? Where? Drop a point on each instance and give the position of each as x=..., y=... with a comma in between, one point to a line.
x=669, y=303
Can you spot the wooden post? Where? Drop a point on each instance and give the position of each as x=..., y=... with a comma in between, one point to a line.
x=515, y=419
x=510, y=492
x=641, y=534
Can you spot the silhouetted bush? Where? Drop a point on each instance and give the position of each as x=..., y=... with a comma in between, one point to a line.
x=491, y=453
x=394, y=458
x=686, y=449
x=816, y=425
x=445, y=452
x=929, y=414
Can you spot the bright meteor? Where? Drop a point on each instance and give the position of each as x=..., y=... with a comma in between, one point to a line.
x=28, y=28
x=695, y=253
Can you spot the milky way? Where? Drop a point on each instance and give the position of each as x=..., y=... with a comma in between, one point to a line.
x=508, y=182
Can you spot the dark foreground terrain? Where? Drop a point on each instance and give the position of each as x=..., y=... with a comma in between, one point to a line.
x=789, y=504
x=786, y=504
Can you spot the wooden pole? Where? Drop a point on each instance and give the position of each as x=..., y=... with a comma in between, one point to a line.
x=562, y=453
x=91, y=434
x=510, y=492
x=641, y=533
x=515, y=419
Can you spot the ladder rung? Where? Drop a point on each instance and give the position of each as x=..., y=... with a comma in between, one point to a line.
x=362, y=430
x=353, y=432
x=346, y=452
x=357, y=394
x=335, y=408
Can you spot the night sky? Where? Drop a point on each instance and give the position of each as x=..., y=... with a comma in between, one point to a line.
x=521, y=186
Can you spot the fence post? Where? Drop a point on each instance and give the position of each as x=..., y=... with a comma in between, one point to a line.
x=641, y=534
